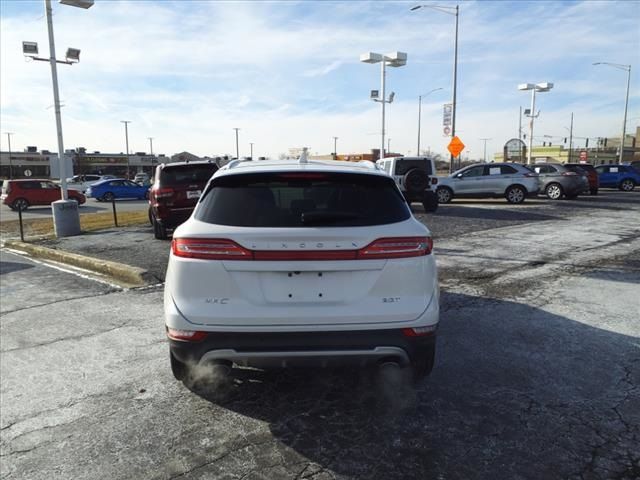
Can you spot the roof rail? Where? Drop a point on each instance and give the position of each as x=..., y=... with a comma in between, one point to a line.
x=233, y=164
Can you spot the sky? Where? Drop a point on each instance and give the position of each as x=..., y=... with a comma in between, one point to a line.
x=288, y=74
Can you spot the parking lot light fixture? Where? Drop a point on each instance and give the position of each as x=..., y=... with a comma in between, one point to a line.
x=66, y=218
x=126, y=140
x=626, y=68
x=393, y=59
x=537, y=87
x=455, y=11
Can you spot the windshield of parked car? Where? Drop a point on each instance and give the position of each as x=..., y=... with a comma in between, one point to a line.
x=292, y=199
x=185, y=174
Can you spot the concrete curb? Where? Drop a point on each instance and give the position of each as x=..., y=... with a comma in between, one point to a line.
x=122, y=274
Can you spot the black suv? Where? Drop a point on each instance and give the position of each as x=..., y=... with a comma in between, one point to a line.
x=175, y=192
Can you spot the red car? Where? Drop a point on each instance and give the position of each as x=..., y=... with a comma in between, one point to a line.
x=590, y=171
x=21, y=194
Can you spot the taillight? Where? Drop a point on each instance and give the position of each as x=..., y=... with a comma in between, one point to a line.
x=434, y=180
x=223, y=249
x=160, y=193
x=209, y=249
x=401, y=247
x=186, y=335
x=420, y=331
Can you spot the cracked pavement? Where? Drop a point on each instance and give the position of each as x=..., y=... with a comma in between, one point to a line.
x=537, y=372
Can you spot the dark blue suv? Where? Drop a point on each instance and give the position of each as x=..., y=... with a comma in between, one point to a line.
x=614, y=175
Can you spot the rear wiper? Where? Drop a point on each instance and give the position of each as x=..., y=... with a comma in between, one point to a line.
x=311, y=218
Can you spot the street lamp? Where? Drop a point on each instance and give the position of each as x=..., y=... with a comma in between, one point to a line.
x=538, y=87
x=251, y=147
x=66, y=219
x=126, y=140
x=455, y=12
x=394, y=59
x=420, y=113
x=335, y=148
x=151, y=144
x=627, y=68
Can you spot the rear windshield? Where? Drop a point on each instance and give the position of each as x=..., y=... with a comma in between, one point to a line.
x=302, y=200
x=185, y=174
x=583, y=166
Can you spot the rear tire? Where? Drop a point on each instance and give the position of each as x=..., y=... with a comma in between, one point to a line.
x=422, y=366
x=444, y=194
x=627, y=185
x=159, y=231
x=554, y=191
x=515, y=194
x=108, y=197
x=430, y=202
x=179, y=369
x=20, y=204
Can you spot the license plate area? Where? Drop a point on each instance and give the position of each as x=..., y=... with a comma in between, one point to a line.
x=300, y=287
x=193, y=193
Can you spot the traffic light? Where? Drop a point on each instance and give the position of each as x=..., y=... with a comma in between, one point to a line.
x=565, y=139
x=605, y=142
x=586, y=143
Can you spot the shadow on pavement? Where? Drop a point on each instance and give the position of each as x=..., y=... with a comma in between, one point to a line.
x=508, y=213
x=517, y=392
x=9, y=267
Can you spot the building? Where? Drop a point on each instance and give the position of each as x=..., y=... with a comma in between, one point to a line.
x=29, y=163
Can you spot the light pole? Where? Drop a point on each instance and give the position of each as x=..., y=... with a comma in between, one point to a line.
x=66, y=219
x=627, y=68
x=10, y=162
x=393, y=59
x=388, y=144
x=126, y=140
x=420, y=113
x=455, y=12
x=538, y=87
x=151, y=144
x=484, y=155
x=335, y=148
x=251, y=146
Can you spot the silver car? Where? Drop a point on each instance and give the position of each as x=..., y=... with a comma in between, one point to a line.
x=557, y=181
x=508, y=180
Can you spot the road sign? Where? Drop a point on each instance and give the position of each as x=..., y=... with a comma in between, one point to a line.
x=455, y=146
x=27, y=173
x=446, y=131
x=583, y=155
x=446, y=114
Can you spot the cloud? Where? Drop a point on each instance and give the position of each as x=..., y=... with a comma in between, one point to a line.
x=320, y=71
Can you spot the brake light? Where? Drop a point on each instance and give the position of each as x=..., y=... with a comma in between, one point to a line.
x=223, y=249
x=186, y=335
x=401, y=247
x=209, y=249
x=159, y=193
x=306, y=176
x=434, y=180
x=420, y=331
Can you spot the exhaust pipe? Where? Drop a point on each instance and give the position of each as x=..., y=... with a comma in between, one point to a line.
x=221, y=368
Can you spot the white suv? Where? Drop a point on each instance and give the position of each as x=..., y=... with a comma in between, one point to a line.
x=287, y=263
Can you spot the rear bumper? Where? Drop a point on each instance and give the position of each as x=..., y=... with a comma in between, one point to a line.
x=284, y=349
x=172, y=217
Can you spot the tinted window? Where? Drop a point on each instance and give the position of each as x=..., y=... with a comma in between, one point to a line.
x=185, y=174
x=601, y=169
x=577, y=169
x=507, y=170
x=29, y=185
x=403, y=166
x=302, y=200
x=91, y=178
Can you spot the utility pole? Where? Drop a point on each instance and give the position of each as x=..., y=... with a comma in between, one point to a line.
x=251, y=145
x=126, y=141
x=388, y=144
x=484, y=156
x=335, y=148
x=237, y=144
x=520, y=133
x=10, y=162
x=151, y=144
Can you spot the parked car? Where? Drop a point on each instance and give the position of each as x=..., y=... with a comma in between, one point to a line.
x=590, y=171
x=624, y=177
x=82, y=182
x=108, y=190
x=415, y=177
x=142, y=179
x=286, y=264
x=557, y=181
x=512, y=181
x=175, y=192
x=23, y=193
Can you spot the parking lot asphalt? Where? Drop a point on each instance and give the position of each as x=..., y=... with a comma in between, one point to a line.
x=537, y=373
